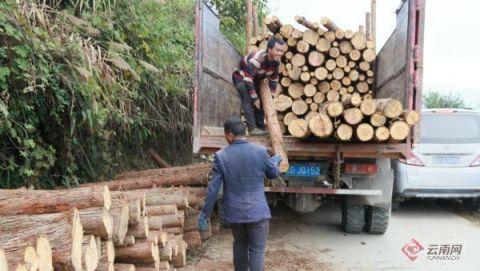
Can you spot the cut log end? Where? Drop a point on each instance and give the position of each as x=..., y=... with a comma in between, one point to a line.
x=321, y=125
x=399, y=130
x=365, y=132
x=298, y=128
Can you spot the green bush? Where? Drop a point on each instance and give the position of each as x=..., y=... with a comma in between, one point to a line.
x=84, y=96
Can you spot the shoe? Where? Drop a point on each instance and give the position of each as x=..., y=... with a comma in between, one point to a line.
x=257, y=132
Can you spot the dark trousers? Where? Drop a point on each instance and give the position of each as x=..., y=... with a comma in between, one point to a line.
x=253, y=116
x=249, y=240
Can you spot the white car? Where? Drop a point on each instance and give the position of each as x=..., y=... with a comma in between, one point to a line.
x=446, y=161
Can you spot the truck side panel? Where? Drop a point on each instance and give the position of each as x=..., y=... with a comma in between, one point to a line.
x=399, y=63
x=215, y=98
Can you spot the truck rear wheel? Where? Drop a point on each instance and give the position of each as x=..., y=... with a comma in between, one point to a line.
x=353, y=218
x=377, y=220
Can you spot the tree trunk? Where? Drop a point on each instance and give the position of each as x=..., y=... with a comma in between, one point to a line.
x=193, y=240
x=97, y=221
x=399, y=130
x=159, y=172
x=298, y=128
x=344, y=132
x=180, y=258
x=161, y=210
x=140, y=230
x=365, y=132
x=124, y=267
x=24, y=201
x=89, y=253
x=144, y=251
x=353, y=116
x=158, y=159
x=63, y=231
x=273, y=127
x=321, y=125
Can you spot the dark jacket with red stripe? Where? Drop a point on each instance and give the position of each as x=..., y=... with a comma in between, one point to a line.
x=255, y=66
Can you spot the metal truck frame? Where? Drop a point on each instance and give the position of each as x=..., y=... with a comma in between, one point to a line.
x=360, y=173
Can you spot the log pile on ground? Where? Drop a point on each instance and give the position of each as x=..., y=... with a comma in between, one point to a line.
x=139, y=221
x=326, y=85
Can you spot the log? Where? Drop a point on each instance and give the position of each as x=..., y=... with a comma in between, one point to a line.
x=382, y=133
x=330, y=65
x=158, y=222
x=356, y=99
x=129, y=240
x=271, y=24
x=158, y=159
x=180, y=259
x=166, y=252
x=310, y=90
x=368, y=27
x=335, y=85
x=346, y=81
x=292, y=42
x=124, y=267
x=140, y=230
x=3, y=261
x=120, y=216
x=341, y=61
x=97, y=221
x=368, y=107
x=329, y=24
x=344, y=132
x=411, y=117
x=282, y=103
x=107, y=256
x=193, y=240
x=399, y=130
x=289, y=117
x=339, y=34
x=324, y=87
x=391, y=108
x=158, y=172
x=345, y=47
x=174, y=230
x=63, y=231
x=144, y=251
x=136, y=209
x=311, y=37
x=310, y=115
x=355, y=55
x=321, y=125
x=89, y=253
x=305, y=77
x=161, y=210
x=297, y=34
x=298, y=60
x=323, y=45
x=52, y=201
x=365, y=132
x=353, y=75
x=273, y=126
x=362, y=87
x=30, y=258
x=378, y=119
x=333, y=109
x=44, y=254
x=353, y=116
x=338, y=74
x=364, y=66
x=295, y=90
x=320, y=73
x=368, y=55
x=301, y=20
x=286, y=30
x=285, y=81
x=333, y=96
x=299, y=107
x=303, y=46
x=334, y=52
x=194, y=177
x=359, y=41
x=319, y=98
x=294, y=73
x=349, y=34
x=298, y=128
x=315, y=58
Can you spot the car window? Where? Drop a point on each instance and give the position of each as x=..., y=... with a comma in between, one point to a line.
x=450, y=129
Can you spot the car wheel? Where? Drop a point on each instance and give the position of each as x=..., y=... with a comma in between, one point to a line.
x=353, y=218
x=377, y=220
x=472, y=204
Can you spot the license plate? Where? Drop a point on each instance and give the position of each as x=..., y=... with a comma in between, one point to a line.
x=304, y=170
x=446, y=160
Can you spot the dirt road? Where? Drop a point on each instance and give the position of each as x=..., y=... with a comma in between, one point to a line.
x=316, y=242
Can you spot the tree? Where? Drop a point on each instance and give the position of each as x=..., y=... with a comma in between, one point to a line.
x=435, y=99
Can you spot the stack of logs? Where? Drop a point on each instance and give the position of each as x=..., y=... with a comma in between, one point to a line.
x=326, y=85
x=136, y=222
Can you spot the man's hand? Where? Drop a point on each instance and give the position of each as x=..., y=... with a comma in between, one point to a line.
x=256, y=103
x=276, y=159
x=202, y=221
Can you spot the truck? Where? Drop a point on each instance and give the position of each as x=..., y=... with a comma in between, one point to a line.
x=360, y=174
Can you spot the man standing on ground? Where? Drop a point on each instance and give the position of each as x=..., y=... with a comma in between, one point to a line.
x=241, y=168
x=251, y=69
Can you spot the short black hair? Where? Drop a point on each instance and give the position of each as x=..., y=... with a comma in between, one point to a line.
x=235, y=126
x=274, y=40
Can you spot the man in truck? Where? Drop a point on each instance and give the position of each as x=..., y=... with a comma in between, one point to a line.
x=253, y=68
x=241, y=168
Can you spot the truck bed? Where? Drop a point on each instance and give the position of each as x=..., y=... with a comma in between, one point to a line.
x=398, y=75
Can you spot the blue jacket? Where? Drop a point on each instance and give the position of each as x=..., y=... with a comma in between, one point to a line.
x=241, y=168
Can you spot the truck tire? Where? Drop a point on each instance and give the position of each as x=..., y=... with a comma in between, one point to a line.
x=221, y=214
x=377, y=220
x=353, y=218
